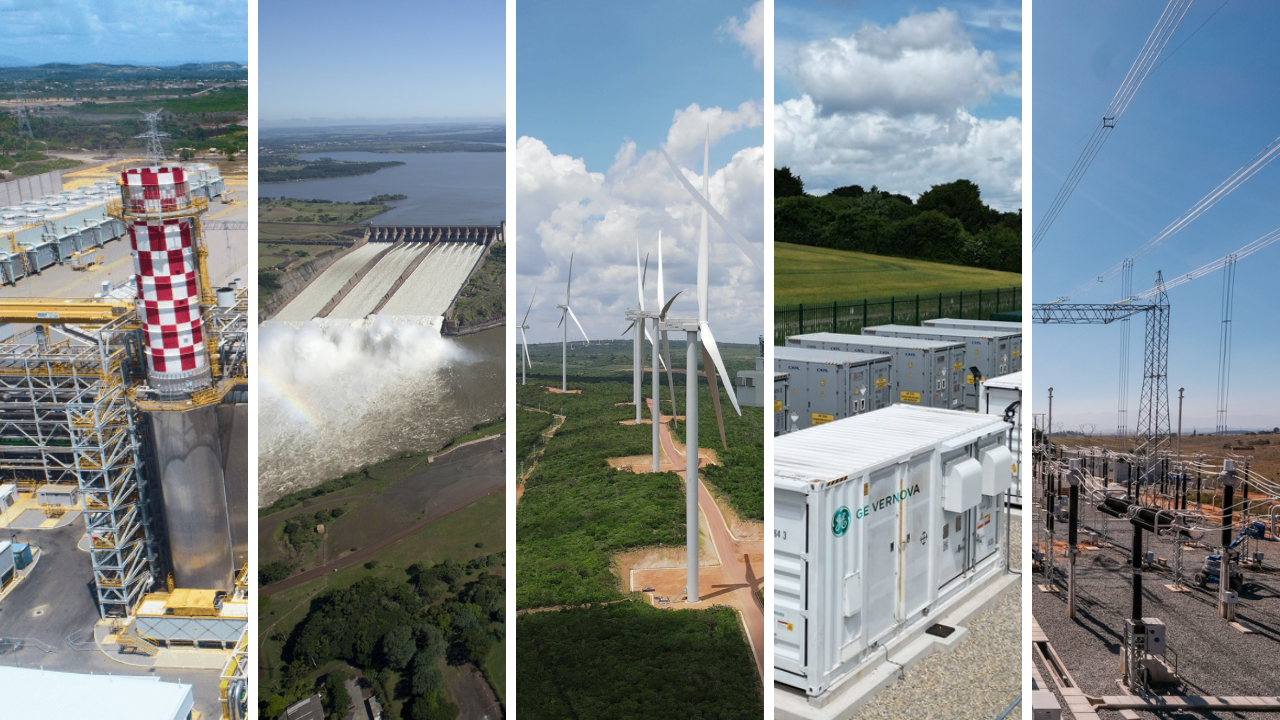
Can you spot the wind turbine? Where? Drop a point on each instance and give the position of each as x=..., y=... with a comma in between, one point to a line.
x=566, y=311
x=662, y=357
x=700, y=338
x=524, y=341
x=638, y=317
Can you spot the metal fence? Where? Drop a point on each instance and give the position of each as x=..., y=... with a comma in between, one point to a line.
x=851, y=317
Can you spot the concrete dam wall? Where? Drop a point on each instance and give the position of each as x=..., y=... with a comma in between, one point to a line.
x=399, y=270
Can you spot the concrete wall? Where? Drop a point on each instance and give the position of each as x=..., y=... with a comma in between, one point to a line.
x=30, y=188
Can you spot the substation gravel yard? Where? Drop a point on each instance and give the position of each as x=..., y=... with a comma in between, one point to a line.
x=1214, y=659
x=978, y=679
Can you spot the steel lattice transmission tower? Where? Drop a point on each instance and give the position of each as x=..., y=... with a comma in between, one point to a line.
x=24, y=124
x=1151, y=436
x=155, y=150
x=1153, y=408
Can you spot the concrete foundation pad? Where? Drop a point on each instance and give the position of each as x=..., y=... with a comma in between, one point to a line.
x=1047, y=588
x=1243, y=627
x=847, y=696
x=1177, y=588
x=192, y=659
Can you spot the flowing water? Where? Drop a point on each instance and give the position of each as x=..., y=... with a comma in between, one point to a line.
x=336, y=396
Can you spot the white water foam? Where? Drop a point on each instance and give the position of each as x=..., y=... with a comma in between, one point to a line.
x=337, y=395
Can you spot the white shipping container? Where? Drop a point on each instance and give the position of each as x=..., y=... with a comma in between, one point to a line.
x=998, y=396
x=924, y=372
x=880, y=520
x=825, y=386
x=1004, y=325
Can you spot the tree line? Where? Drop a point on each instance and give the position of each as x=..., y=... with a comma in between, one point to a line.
x=949, y=223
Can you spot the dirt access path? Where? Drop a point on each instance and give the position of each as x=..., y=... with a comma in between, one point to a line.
x=548, y=434
x=734, y=582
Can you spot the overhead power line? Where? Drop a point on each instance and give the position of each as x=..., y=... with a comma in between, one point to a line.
x=1228, y=186
x=1138, y=72
x=1218, y=264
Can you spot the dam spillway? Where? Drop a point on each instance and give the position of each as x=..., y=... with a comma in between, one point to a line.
x=413, y=271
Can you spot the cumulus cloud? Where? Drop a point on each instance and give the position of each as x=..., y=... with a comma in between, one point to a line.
x=564, y=208
x=749, y=33
x=892, y=106
x=923, y=64
x=690, y=127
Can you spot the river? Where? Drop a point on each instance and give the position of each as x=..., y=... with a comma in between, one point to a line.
x=443, y=188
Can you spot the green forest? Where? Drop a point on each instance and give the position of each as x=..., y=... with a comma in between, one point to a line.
x=396, y=633
x=949, y=223
x=577, y=512
x=629, y=660
x=288, y=168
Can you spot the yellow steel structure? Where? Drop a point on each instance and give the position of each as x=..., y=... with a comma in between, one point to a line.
x=60, y=311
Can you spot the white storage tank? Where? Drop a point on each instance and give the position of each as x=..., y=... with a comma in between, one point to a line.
x=881, y=521
x=826, y=386
x=1003, y=395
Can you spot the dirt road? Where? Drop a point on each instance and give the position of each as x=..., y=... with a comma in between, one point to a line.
x=736, y=575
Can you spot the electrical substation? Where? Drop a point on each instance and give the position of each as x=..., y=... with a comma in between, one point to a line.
x=124, y=441
x=897, y=499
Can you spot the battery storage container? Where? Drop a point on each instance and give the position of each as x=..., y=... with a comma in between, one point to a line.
x=1000, y=325
x=780, y=383
x=925, y=372
x=825, y=386
x=991, y=351
x=998, y=396
x=880, y=521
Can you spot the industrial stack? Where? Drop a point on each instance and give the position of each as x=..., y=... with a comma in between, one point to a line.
x=163, y=220
x=140, y=413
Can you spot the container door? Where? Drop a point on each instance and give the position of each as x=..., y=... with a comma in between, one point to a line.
x=881, y=536
x=790, y=583
x=986, y=537
x=917, y=497
x=957, y=378
x=953, y=555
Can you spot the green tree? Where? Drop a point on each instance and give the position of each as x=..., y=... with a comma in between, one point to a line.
x=961, y=200
x=425, y=677
x=785, y=184
x=398, y=646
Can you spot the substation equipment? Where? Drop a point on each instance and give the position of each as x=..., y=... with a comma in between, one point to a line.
x=142, y=406
x=930, y=373
x=882, y=521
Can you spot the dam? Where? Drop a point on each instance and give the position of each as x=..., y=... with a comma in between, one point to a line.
x=412, y=271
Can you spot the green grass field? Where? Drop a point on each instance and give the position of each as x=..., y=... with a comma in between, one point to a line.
x=803, y=274
x=222, y=100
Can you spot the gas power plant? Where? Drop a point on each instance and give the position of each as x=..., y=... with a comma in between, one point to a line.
x=133, y=404
x=896, y=480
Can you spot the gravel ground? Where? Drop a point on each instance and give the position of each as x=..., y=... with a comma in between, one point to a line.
x=978, y=679
x=1213, y=658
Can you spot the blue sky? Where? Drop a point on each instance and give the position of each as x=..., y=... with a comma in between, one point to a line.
x=600, y=88
x=900, y=95
x=393, y=61
x=1204, y=112
x=591, y=75
x=151, y=32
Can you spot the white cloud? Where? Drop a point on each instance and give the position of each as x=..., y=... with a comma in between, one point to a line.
x=749, y=33
x=923, y=64
x=690, y=127
x=563, y=208
x=891, y=106
x=905, y=155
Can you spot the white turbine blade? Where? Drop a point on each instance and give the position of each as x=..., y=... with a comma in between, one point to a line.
x=526, y=312
x=561, y=318
x=524, y=343
x=639, y=276
x=575, y=322
x=568, y=283
x=644, y=277
x=659, y=267
x=748, y=249
x=633, y=324
x=667, y=307
x=709, y=342
x=671, y=378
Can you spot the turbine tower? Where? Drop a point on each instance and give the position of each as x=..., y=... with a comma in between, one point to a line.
x=700, y=339
x=566, y=311
x=524, y=341
x=24, y=125
x=638, y=317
